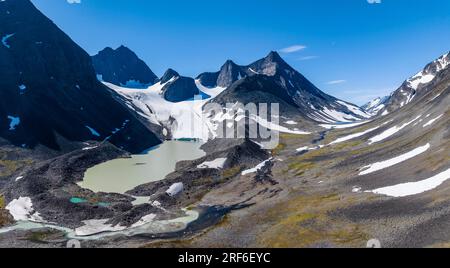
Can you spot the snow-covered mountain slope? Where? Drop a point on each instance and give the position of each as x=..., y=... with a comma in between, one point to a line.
x=170, y=103
x=271, y=79
x=49, y=92
x=416, y=86
x=188, y=119
x=376, y=105
x=122, y=66
x=179, y=119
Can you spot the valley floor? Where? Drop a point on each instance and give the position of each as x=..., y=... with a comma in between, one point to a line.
x=386, y=179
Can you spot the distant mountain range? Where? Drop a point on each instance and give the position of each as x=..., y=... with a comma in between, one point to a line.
x=268, y=80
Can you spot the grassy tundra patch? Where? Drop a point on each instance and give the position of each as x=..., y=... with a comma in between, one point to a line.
x=5, y=217
x=304, y=221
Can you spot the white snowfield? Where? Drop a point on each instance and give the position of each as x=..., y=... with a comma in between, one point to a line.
x=414, y=188
x=343, y=126
x=257, y=168
x=218, y=163
x=175, y=189
x=356, y=189
x=22, y=210
x=354, y=109
x=92, y=227
x=185, y=119
x=306, y=148
x=302, y=149
x=392, y=131
x=270, y=125
x=354, y=136
x=332, y=116
x=432, y=121
x=337, y=116
x=394, y=161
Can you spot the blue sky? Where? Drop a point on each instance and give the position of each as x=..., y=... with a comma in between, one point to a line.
x=348, y=48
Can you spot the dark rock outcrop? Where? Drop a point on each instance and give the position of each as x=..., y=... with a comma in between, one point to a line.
x=229, y=73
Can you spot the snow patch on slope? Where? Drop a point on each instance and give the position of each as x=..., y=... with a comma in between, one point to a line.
x=218, y=163
x=22, y=210
x=15, y=121
x=93, y=131
x=92, y=227
x=257, y=168
x=390, y=132
x=354, y=109
x=394, y=161
x=432, y=121
x=414, y=188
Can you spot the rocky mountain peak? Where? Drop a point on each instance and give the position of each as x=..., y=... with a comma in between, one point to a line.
x=122, y=66
x=169, y=74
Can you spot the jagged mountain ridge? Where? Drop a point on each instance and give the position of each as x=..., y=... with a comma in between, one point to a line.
x=49, y=91
x=272, y=75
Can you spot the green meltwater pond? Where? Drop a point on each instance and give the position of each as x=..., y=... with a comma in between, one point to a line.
x=77, y=200
x=124, y=174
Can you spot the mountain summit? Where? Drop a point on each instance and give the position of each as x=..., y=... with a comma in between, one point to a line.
x=123, y=67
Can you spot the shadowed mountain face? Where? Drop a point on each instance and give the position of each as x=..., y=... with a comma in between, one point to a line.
x=123, y=67
x=271, y=79
x=48, y=88
x=228, y=74
x=178, y=88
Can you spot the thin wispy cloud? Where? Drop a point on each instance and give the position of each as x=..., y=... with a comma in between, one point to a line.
x=292, y=49
x=336, y=82
x=308, y=58
x=74, y=1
